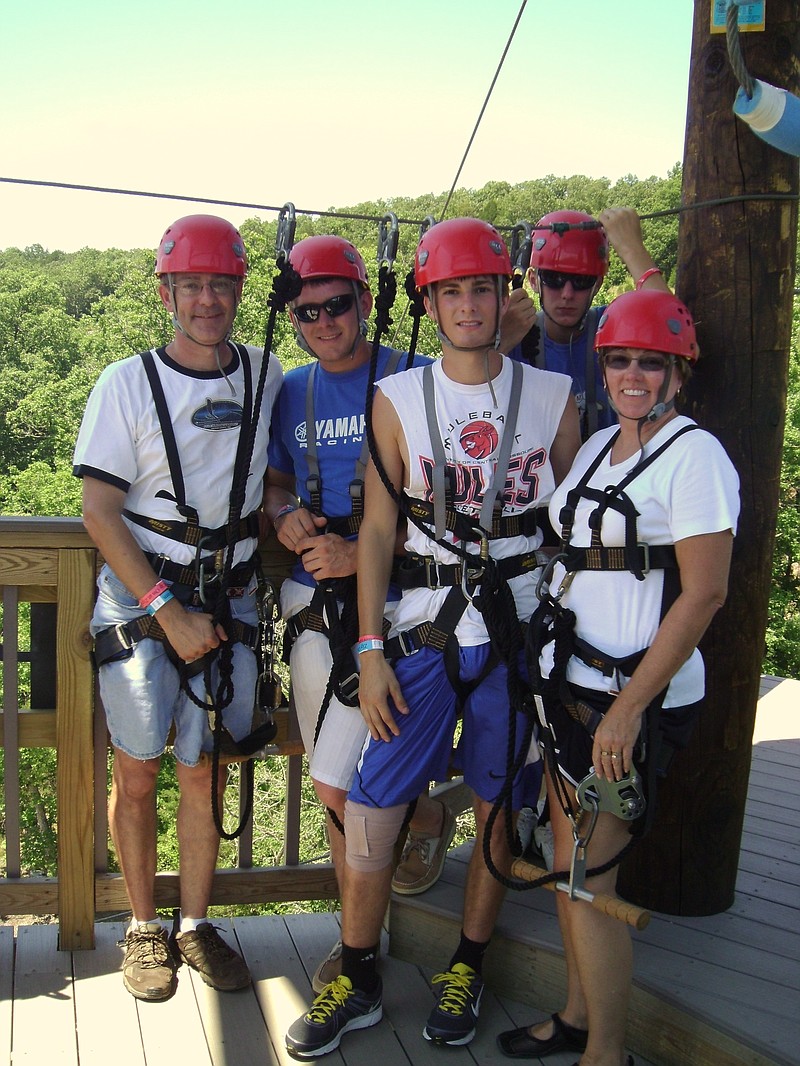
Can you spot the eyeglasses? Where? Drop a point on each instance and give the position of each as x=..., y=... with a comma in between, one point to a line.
x=650, y=364
x=336, y=306
x=555, y=279
x=219, y=286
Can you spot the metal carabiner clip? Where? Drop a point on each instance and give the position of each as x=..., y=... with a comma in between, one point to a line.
x=284, y=238
x=388, y=237
x=521, y=248
x=543, y=584
x=472, y=573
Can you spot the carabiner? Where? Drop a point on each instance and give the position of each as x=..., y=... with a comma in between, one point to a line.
x=284, y=238
x=472, y=574
x=543, y=584
x=388, y=237
x=521, y=248
x=426, y=224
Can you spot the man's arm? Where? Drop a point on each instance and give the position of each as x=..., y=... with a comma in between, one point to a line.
x=376, y=541
x=190, y=633
x=567, y=440
x=624, y=231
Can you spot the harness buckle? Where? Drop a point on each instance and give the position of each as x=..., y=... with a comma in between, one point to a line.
x=348, y=688
x=646, y=549
x=406, y=646
x=158, y=563
x=432, y=578
x=471, y=573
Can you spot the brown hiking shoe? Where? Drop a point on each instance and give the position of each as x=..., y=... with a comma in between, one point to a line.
x=149, y=967
x=423, y=857
x=218, y=964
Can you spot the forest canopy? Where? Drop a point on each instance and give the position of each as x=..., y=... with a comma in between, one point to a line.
x=65, y=316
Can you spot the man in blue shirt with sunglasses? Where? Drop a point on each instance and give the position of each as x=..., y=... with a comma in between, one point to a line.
x=314, y=498
x=569, y=260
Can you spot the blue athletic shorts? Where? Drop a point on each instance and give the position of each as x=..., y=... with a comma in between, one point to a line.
x=397, y=771
x=142, y=697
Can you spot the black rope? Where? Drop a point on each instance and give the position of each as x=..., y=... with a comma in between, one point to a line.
x=285, y=287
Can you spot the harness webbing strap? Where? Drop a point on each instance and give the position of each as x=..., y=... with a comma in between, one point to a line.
x=118, y=641
x=193, y=534
x=344, y=525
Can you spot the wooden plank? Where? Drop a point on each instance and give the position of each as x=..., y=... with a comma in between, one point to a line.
x=105, y=1012
x=172, y=1030
x=20, y=567
x=27, y=532
x=37, y=728
x=232, y=1021
x=44, y=1015
x=274, y=884
x=6, y=986
x=29, y=895
x=75, y=731
x=762, y=802
x=281, y=984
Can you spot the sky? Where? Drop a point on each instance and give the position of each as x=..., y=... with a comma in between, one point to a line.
x=324, y=103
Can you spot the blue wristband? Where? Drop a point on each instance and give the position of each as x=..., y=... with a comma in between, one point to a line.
x=159, y=601
x=373, y=644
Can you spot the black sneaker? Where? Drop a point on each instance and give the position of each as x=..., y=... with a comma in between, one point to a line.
x=148, y=969
x=337, y=1010
x=452, y=1021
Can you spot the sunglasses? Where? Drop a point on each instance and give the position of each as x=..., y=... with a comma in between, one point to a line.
x=555, y=279
x=650, y=364
x=336, y=306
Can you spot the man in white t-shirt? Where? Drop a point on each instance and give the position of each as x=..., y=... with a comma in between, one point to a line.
x=161, y=448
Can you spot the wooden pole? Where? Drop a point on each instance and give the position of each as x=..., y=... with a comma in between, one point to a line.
x=736, y=273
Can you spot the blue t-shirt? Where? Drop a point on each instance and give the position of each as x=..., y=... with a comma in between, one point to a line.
x=570, y=359
x=339, y=403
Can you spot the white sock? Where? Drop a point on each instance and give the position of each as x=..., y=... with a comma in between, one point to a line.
x=189, y=925
x=135, y=923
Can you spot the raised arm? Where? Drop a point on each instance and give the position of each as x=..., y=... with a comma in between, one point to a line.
x=624, y=231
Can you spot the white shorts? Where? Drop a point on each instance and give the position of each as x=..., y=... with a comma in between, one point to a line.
x=332, y=759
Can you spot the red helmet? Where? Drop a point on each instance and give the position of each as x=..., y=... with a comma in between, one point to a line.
x=460, y=248
x=570, y=251
x=651, y=319
x=202, y=244
x=328, y=257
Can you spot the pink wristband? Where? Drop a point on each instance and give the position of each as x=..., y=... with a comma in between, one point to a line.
x=153, y=594
x=370, y=636
x=647, y=274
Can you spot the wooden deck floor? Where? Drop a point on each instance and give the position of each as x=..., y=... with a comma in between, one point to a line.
x=737, y=974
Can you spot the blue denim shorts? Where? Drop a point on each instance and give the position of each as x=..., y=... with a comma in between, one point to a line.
x=142, y=695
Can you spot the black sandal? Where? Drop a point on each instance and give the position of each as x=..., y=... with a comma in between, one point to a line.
x=519, y=1044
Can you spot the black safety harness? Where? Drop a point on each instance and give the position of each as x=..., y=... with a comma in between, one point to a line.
x=195, y=585
x=213, y=580
x=323, y=614
x=553, y=623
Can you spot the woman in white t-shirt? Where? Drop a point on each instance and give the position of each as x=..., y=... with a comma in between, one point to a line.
x=647, y=513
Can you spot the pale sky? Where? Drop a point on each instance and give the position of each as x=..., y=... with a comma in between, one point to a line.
x=325, y=103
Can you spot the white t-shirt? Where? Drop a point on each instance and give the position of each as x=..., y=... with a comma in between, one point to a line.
x=120, y=442
x=471, y=429
x=692, y=488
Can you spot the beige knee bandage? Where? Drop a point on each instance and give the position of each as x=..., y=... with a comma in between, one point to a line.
x=370, y=834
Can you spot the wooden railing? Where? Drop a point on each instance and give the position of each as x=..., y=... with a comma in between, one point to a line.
x=52, y=561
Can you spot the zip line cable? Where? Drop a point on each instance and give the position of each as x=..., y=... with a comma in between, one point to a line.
x=353, y=216
x=483, y=109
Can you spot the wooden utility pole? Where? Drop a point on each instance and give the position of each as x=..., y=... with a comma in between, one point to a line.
x=736, y=273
